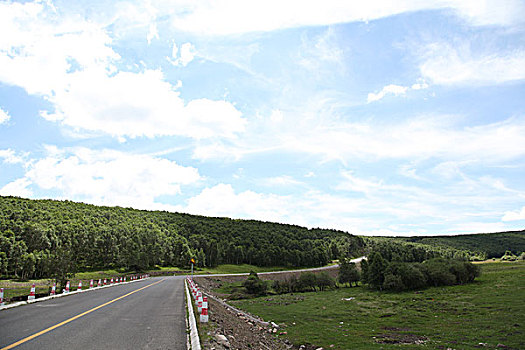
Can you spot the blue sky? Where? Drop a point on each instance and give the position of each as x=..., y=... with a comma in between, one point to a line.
x=383, y=118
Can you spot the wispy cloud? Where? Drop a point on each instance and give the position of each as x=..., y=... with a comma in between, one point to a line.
x=4, y=116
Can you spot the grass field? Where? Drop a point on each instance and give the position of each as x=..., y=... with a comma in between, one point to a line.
x=490, y=311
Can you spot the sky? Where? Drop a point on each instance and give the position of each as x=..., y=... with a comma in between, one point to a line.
x=376, y=118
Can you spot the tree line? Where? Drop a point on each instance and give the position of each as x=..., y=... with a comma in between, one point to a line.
x=49, y=238
x=472, y=246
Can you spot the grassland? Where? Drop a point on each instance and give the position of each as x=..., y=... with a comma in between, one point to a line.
x=490, y=311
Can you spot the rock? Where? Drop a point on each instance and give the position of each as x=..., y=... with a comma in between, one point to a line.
x=319, y=349
x=274, y=330
x=501, y=346
x=274, y=325
x=283, y=333
x=302, y=347
x=222, y=340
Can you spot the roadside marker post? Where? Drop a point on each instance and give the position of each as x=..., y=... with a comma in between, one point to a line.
x=199, y=297
x=99, y=282
x=54, y=289
x=1, y=296
x=67, y=287
x=90, y=284
x=204, y=313
x=111, y=282
x=32, y=293
x=79, y=289
x=105, y=282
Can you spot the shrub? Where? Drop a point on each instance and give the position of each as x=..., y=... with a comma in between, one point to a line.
x=393, y=282
x=254, y=285
x=307, y=281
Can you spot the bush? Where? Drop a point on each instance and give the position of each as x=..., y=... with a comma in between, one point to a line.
x=307, y=281
x=254, y=285
x=393, y=282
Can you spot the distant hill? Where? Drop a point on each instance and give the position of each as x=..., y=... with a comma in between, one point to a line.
x=40, y=237
x=491, y=245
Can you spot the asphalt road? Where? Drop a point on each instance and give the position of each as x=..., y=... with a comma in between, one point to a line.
x=148, y=314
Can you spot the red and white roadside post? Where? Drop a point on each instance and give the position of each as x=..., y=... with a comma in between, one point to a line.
x=99, y=282
x=90, y=284
x=67, y=287
x=32, y=293
x=199, y=302
x=54, y=289
x=124, y=278
x=79, y=289
x=111, y=281
x=204, y=312
x=105, y=282
x=1, y=296
x=198, y=297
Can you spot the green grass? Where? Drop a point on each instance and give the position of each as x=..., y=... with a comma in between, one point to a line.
x=491, y=310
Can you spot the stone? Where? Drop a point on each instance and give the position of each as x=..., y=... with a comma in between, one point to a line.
x=222, y=340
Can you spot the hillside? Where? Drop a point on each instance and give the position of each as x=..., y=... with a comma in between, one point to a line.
x=485, y=245
x=45, y=238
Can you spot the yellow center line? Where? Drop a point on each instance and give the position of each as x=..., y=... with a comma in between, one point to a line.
x=74, y=318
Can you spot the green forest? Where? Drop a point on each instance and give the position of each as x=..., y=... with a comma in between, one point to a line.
x=479, y=246
x=50, y=239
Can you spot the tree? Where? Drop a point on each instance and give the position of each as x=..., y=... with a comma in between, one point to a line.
x=348, y=272
x=325, y=281
x=376, y=270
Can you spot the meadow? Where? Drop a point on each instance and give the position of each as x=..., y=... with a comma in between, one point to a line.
x=489, y=313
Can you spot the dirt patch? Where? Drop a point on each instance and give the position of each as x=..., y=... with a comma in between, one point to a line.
x=239, y=332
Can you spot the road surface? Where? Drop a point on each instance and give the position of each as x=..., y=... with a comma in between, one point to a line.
x=147, y=314
x=356, y=260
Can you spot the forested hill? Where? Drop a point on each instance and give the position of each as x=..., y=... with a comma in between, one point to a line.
x=484, y=245
x=40, y=237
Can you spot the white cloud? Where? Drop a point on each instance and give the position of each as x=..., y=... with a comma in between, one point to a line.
x=4, y=116
x=140, y=104
x=392, y=89
x=514, y=215
x=445, y=64
x=229, y=17
x=221, y=200
x=107, y=177
x=187, y=54
x=17, y=188
x=153, y=33
x=284, y=180
x=69, y=61
x=10, y=156
x=42, y=47
x=396, y=90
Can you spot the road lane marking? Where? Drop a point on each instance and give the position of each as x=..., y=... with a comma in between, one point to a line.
x=22, y=341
